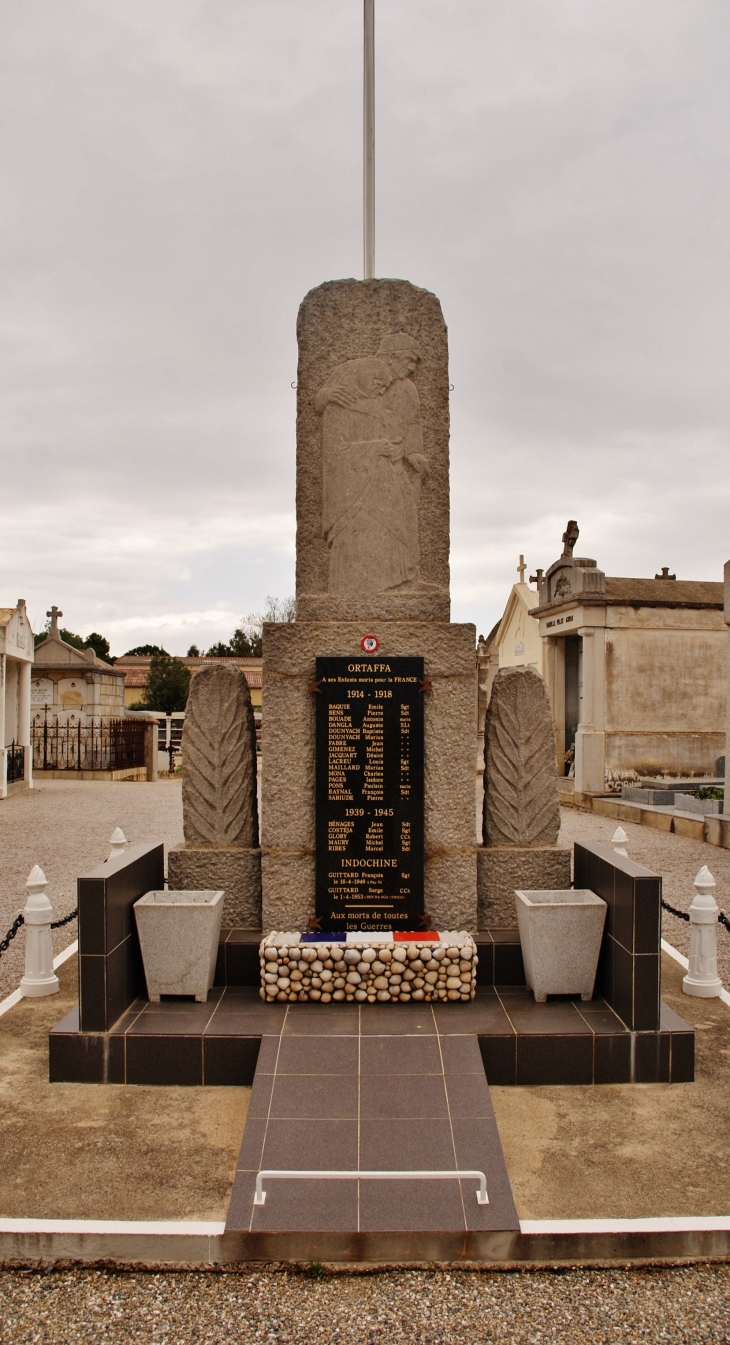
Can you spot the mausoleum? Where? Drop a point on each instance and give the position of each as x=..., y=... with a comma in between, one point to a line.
x=16, y=663
x=637, y=672
x=70, y=681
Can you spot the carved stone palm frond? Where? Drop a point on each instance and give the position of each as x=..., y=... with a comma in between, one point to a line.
x=219, y=760
x=521, y=791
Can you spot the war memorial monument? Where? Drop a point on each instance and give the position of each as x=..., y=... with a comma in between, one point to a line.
x=361, y=963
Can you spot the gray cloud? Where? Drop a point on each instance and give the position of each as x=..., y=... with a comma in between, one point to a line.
x=177, y=175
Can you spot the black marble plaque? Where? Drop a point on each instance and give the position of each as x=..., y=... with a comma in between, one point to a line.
x=369, y=793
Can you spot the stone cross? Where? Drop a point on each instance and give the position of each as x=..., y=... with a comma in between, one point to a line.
x=570, y=537
x=54, y=614
x=521, y=569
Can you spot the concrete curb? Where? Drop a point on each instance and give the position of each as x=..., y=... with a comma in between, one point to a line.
x=207, y=1245
x=15, y=997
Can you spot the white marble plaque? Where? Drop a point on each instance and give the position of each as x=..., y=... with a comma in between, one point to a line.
x=41, y=691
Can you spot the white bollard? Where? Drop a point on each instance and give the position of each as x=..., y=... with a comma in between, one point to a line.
x=118, y=842
x=702, y=978
x=40, y=978
x=619, y=841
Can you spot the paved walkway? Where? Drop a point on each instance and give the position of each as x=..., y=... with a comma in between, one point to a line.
x=352, y=1087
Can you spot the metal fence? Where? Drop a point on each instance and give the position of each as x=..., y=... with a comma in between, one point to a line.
x=15, y=763
x=92, y=745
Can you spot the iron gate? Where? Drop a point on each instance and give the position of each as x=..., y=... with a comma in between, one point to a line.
x=89, y=745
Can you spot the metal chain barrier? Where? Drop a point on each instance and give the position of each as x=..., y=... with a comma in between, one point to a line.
x=56, y=924
x=5, y=943
x=722, y=919
x=20, y=920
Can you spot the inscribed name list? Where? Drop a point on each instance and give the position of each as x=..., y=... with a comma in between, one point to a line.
x=369, y=793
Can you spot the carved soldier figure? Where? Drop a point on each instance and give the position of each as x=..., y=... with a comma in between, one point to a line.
x=372, y=468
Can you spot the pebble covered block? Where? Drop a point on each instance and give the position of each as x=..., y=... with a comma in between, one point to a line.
x=368, y=970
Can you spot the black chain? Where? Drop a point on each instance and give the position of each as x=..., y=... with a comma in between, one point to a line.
x=56, y=924
x=20, y=920
x=5, y=943
x=682, y=915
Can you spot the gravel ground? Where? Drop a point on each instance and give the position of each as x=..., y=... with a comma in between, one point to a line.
x=686, y=1304
x=677, y=858
x=65, y=827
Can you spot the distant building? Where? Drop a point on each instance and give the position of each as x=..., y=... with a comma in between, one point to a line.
x=69, y=681
x=136, y=669
x=16, y=661
x=636, y=670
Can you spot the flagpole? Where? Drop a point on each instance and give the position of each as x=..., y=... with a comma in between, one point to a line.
x=368, y=126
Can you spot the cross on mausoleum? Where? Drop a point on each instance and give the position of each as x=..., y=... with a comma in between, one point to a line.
x=521, y=569
x=54, y=614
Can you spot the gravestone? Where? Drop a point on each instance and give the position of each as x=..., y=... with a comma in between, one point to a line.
x=372, y=584
x=220, y=820
x=521, y=807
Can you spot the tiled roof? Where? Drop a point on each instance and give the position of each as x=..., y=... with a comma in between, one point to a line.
x=137, y=667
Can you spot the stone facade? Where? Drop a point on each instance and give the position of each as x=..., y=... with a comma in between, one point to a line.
x=637, y=672
x=502, y=870
x=290, y=651
x=16, y=667
x=236, y=870
x=372, y=454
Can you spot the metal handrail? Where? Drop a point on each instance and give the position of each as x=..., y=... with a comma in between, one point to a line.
x=371, y=1175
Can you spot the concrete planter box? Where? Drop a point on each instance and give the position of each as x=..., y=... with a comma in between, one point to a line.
x=178, y=935
x=560, y=933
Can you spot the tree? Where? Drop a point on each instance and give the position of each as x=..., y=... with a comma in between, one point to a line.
x=246, y=640
x=193, y=651
x=246, y=643
x=167, y=686
x=69, y=638
x=219, y=650
x=99, y=645
x=148, y=650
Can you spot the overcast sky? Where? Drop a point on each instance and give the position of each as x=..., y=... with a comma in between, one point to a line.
x=176, y=174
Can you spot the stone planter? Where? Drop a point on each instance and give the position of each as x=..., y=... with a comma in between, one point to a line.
x=178, y=935
x=560, y=933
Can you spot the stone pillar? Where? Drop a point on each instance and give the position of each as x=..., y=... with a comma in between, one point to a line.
x=150, y=748
x=372, y=560
x=3, y=753
x=590, y=739
x=555, y=678
x=24, y=678
x=726, y=806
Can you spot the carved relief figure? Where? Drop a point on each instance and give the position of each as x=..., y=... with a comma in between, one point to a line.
x=372, y=469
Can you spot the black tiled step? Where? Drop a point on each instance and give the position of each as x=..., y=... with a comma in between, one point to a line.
x=521, y=1042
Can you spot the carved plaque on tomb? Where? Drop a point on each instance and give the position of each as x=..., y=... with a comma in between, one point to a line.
x=369, y=793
